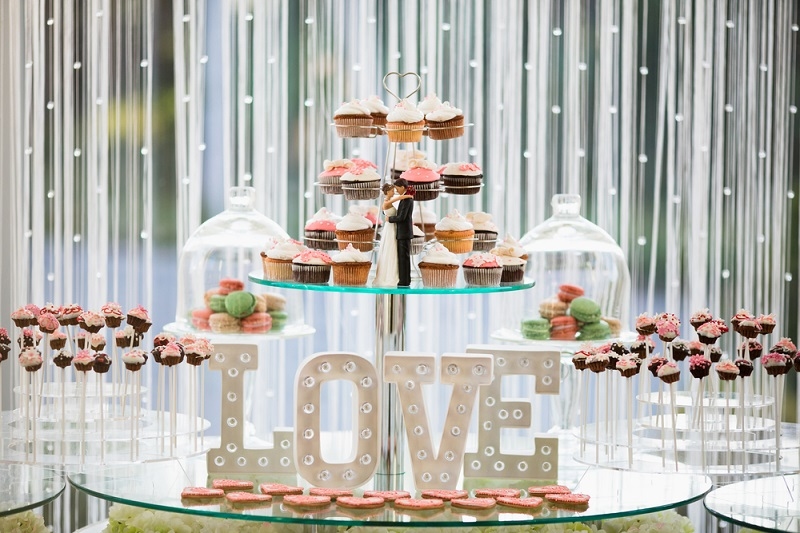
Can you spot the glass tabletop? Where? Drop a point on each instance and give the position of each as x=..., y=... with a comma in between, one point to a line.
x=290, y=331
x=765, y=504
x=24, y=487
x=416, y=287
x=613, y=493
x=515, y=336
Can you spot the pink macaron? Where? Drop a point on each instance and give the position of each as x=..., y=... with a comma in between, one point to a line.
x=200, y=318
x=257, y=323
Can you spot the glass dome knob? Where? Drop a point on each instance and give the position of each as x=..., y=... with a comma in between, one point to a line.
x=240, y=198
x=566, y=205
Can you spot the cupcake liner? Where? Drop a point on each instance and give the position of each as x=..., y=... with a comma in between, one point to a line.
x=57, y=344
x=597, y=366
x=277, y=269
x=483, y=277
x=403, y=132
x=417, y=243
x=484, y=240
x=766, y=329
x=313, y=274
x=330, y=185
x=697, y=323
x=512, y=274
x=320, y=240
x=353, y=274
x=727, y=376
x=360, y=239
x=707, y=340
x=424, y=192
x=436, y=275
x=112, y=321
x=194, y=359
x=749, y=332
x=777, y=370
x=629, y=372
x=25, y=322
x=458, y=242
x=714, y=357
x=671, y=378
x=745, y=370
x=349, y=126
x=647, y=330
x=700, y=373
x=33, y=368
x=361, y=190
x=462, y=185
x=446, y=129
x=133, y=367
x=63, y=362
x=580, y=364
x=83, y=367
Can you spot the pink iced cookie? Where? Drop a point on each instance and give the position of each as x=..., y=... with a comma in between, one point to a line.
x=532, y=502
x=247, y=497
x=232, y=484
x=568, y=500
x=279, y=489
x=353, y=502
x=497, y=493
x=299, y=500
x=548, y=489
x=201, y=492
x=388, y=495
x=418, y=504
x=444, y=495
x=478, y=504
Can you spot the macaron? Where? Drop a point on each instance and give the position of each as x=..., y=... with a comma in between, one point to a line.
x=275, y=302
x=216, y=303
x=585, y=310
x=240, y=304
x=200, y=318
x=278, y=319
x=224, y=323
x=536, y=329
x=563, y=328
x=256, y=323
x=594, y=331
x=552, y=307
x=615, y=324
x=568, y=292
x=229, y=285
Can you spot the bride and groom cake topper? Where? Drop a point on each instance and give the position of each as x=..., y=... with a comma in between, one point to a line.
x=394, y=258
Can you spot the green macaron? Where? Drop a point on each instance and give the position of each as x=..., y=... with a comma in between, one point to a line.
x=594, y=331
x=536, y=329
x=585, y=310
x=217, y=303
x=240, y=304
x=278, y=319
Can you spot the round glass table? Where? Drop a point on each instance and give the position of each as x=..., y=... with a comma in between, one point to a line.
x=765, y=504
x=158, y=486
x=24, y=487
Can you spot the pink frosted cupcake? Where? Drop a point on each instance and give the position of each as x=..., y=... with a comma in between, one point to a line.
x=30, y=359
x=775, y=363
x=669, y=372
x=700, y=317
x=139, y=319
x=91, y=321
x=461, y=178
x=422, y=175
x=645, y=324
x=446, y=122
x=48, y=322
x=312, y=266
x=69, y=315
x=709, y=332
x=23, y=317
x=361, y=184
x=320, y=230
x=113, y=314
x=83, y=361
x=58, y=339
x=482, y=270
x=329, y=180
x=667, y=331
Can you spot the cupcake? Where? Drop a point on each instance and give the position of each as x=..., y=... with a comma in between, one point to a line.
x=134, y=360
x=196, y=351
x=745, y=367
x=643, y=346
x=597, y=362
x=83, y=361
x=329, y=180
x=700, y=317
x=579, y=357
x=378, y=111
x=669, y=372
x=58, y=339
x=439, y=267
x=400, y=159
x=112, y=312
x=714, y=353
x=446, y=122
x=748, y=328
x=667, y=331
x=740, y=315
x=404, y=123
x=654, y=364
x=101, y=363
x=645, y=324
x=424, y=219
x=680, y=349
x=752, y=348
x=353, y=119
x=696, y=348
x=23, y=317
x=48, y=322
x=429, y=104
x=91, y=322
x=172, y=354
x=139, y=319
x=356, y=230
x=277, y=260
x=82, y=339
x=461, y=178
x=422, y=175
x=628, y=366
x=69, y=315
x=163, y=338
x=699, y=366
x=727, y=370
x=320, y=230
x=485, y=230
x=126, y=337
x=311, y=267
x=482, y=270
x=30, y=359
x=785, y=346
x=361, y=184
x=97, y=342
x=767, y=323
x=63, y=359
x=351, y=267
x=455, y=232
x=709, y=332
x=53, y=310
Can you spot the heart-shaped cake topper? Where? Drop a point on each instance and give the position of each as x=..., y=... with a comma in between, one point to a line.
x=400, y=79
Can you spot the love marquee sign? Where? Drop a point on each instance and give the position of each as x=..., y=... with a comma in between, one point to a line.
x=475, y=377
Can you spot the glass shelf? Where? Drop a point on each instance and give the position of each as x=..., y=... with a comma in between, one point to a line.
x=614, y=493
x=515, y=336
x=416, y=287
x=766, y=504
x=290, y=331
x=24, y=487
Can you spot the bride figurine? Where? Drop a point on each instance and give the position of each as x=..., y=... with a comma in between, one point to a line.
x=387, y=273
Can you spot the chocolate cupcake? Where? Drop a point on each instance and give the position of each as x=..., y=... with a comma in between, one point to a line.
x=312, y=267
x=699, y=366
x=461, y=178
x=645, y=324
x=101, y=363
x=654, y=364
x=63, y=359
x=745, y=367
x=714, y=353
x=680, y=349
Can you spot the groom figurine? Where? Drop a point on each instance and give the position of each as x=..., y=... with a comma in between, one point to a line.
x=404, y=232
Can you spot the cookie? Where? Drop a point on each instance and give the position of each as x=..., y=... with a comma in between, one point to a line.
x=353, y=502
x=300, y=500
x=478, y=504
x=331, y=493
x=614, y=324
x=387, y=495
x=418, y=504
x=497, y=493
x=247, y=497
x=568, y=292
x=232, y=484
x=201, y=492
x=532, y=502
x=568, y=500
x=541, y=490
x=444, y=495
x=279, y=489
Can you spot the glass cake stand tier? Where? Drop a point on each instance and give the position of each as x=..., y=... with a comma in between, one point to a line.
x=24, y=487
x=566, y=347
x=613, y=493
x=416, y=287
x=291, y=331
x=765, y=504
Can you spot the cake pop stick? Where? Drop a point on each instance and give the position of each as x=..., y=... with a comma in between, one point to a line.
x=669, y=373
x=173, y=418
x=629, y=367
x=775, y=365
x=597, y=363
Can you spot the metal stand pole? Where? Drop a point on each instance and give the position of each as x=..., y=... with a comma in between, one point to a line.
x=390, y=336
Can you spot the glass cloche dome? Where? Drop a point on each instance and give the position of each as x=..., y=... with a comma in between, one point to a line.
x=228, y=247
x=568, y=249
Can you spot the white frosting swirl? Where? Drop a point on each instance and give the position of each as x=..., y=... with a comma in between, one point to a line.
x=429, y=103
x=405, y=111
x=329, y=164
x=361, y=174
x=507, y=260
x=134, y=357
x=454, y=221
x=375, y=105
x=285, y=250
x=324, y=214
x=423, y=215
x=509, y=246
x=481, y=221
x=354, y=107
x=443, y=113
x=440, y=255
x=351, y=255
x=353, y=222
x=461, y=169
x=403, y=157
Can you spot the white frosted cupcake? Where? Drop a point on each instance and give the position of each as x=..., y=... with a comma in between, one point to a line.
x=485, y=230
x=378, y=111
x=353, y=119
x=455, y=232
x=446, y=122
x=351, y=267
x=405, y=123
x=512, y=257
x=356, y=230
x=401, y=159
x=461, y=178
x=362, y=183
x=277, y=260
x=439, y=267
